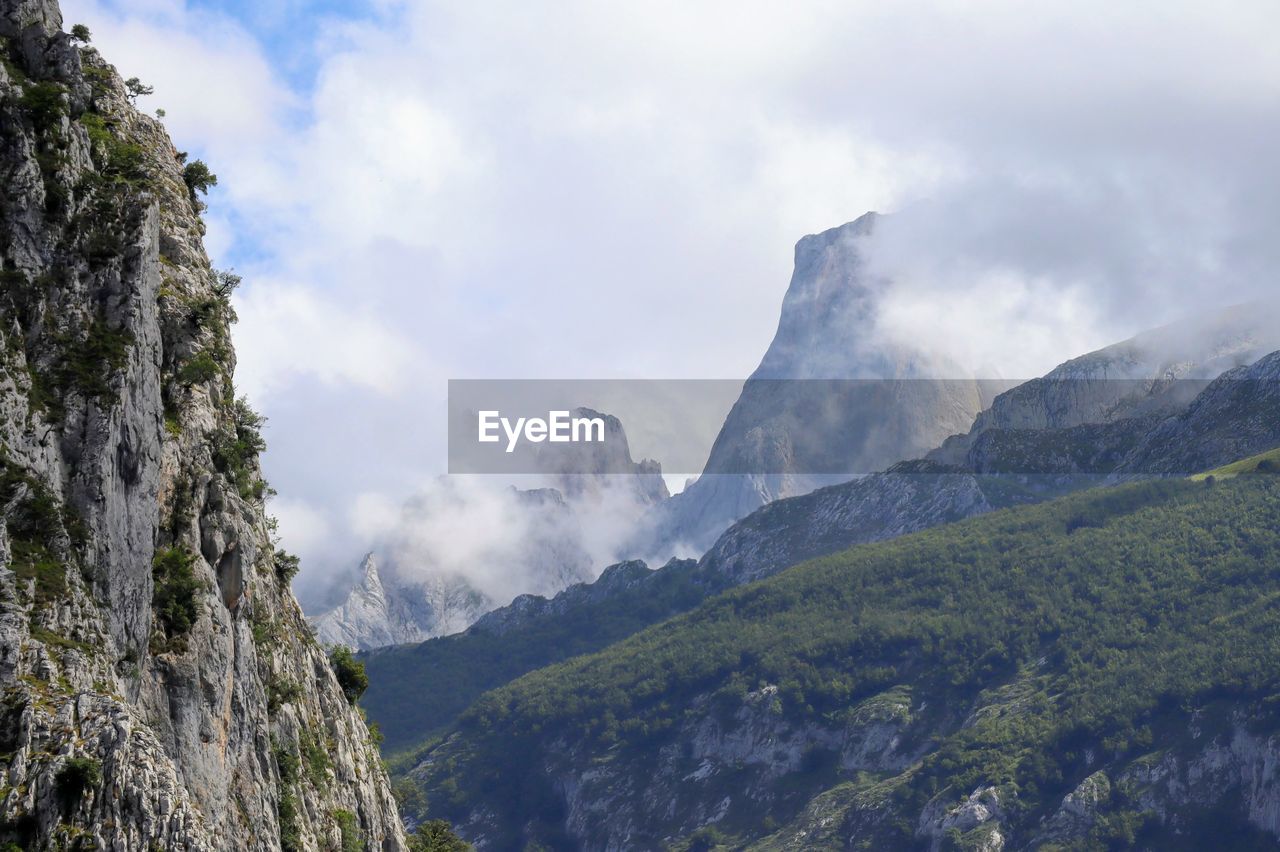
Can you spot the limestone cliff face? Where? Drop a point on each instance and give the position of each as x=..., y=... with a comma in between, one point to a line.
x=830, y=400
x=161, y=689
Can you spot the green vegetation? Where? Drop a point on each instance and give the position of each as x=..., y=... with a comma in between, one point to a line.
x=225, y=282
x=174, y=601
x=199, y=180
x=120, y=164
x=40, y=529
x=236, y=449
x=200, y=369
x=349, y=830
x=315, y=757
x=403, y=697
x=282, y=692
x=1268, y=462
x=81, y=34
x=45, y=104
x=287, y=805
x=135, y=88
x=436, y=835
x=89, y=366
x=76, y=777
x=286, y=566
x=350, y=673
x=1111, y=613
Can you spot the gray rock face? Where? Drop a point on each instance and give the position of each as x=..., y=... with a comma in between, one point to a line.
x=828, y=401
x=159, y=680
x=588, y=471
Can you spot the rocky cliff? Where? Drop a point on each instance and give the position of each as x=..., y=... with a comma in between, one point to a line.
x=161, y=689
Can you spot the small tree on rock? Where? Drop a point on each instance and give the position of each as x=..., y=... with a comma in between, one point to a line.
x=136, y=88
x=80, y=33
x=198, y=178
x=350, y=672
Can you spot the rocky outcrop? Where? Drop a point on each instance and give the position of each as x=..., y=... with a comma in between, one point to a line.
x=593, y=470
x=415, y=587
x=161, y=689
x=525, y=610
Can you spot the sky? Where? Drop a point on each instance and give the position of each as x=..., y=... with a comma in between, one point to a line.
x=418, y=191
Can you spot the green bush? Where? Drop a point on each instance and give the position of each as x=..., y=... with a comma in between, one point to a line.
x=349, y=830
x=135, y=88
x=199, y=179
x=350, y=673
x=436, y=835
x=35, y=521
x=174, y=602
x=77, y=776
x=43, y=103
x=282, y=692
x=81, y=34
x=286, y=565
x=236, y=449
x=287, y=803
x=202, y=368
x=88, y=364
x=315, y=757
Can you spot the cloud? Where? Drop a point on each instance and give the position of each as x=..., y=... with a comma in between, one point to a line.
x=421, y=190
x=287, y=331
x=304, y=527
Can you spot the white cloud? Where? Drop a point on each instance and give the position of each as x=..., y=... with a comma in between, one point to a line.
x=462, y=190
x=303, y=527
x=373, y=515
x=211, y=77
x=287, y=331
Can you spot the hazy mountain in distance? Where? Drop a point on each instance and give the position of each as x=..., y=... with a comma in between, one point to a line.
x=830, y=400
x=459, y=550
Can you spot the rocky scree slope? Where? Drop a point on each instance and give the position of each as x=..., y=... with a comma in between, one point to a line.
x=1093, y=672
x=160, y=688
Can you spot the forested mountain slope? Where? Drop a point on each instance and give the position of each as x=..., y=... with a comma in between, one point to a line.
x=1236, y=414
x=1096, y=669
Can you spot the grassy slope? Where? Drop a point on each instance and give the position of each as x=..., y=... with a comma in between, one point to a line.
x=1137, y=600
x=1249, y=465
